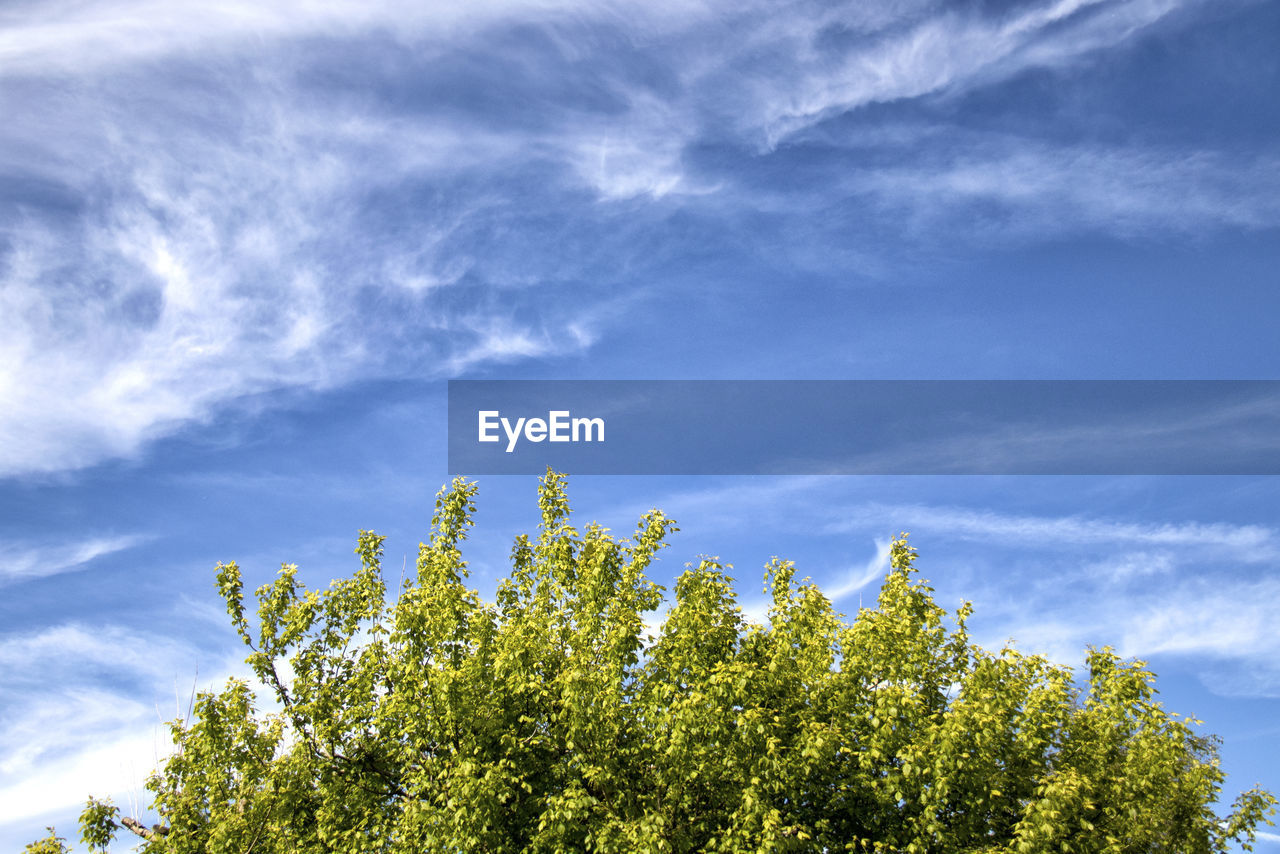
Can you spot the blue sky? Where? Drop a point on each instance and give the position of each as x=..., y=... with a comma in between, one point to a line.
x=243, y=248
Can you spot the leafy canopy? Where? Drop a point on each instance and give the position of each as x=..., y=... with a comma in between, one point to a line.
x=432, y=720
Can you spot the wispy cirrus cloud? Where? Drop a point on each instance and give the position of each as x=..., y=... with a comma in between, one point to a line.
x=211, y=204
x=1219, y=628
x=80, y=37
x=937, y=52
x=1200, y=593
x=830, y=59
x=938, y=181
x=19, y=561
x=85, y=708
x=1255, y=543
x=859, y=578
x=1006, y=188
x=203, y=268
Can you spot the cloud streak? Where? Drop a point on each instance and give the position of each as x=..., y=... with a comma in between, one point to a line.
x=1188, y=591
x=216, y=204
x=84, y=711
x=85, y=37
x=1197, y=593
x=1031, y=188
x=939, y=52
x=858, y=579
x=207, y=269
x=20, y=562
x=1255, y=543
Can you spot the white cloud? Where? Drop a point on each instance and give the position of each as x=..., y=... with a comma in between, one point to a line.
x=941, y=52
x=248, y=230
x=210, y=269
x=116, y=767
x=898, y=51
x=500, y=341
x=85, y=708
x=22, y=561
x=1223, y=629
x=83, y=37
x=1225, y=620
x=1198, y=593
x=1043, y=188
x=803, y=501
x=858, y=578
x=1133, y=566
x=39, y=658
x=1055, y=585
x=1189, y=598
x=639, y=154
x=1254, y=543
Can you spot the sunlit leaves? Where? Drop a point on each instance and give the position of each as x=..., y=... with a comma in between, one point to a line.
x=548, y=721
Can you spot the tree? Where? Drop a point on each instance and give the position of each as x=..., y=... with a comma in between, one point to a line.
x=434, y=721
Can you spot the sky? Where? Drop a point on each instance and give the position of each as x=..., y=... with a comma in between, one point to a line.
x=243, y=247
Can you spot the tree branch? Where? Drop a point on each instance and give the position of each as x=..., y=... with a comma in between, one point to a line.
x=142, y=830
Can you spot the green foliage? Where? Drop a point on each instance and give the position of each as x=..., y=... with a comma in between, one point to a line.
x=51, y=844
x=98, y=824
x=435, y=721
